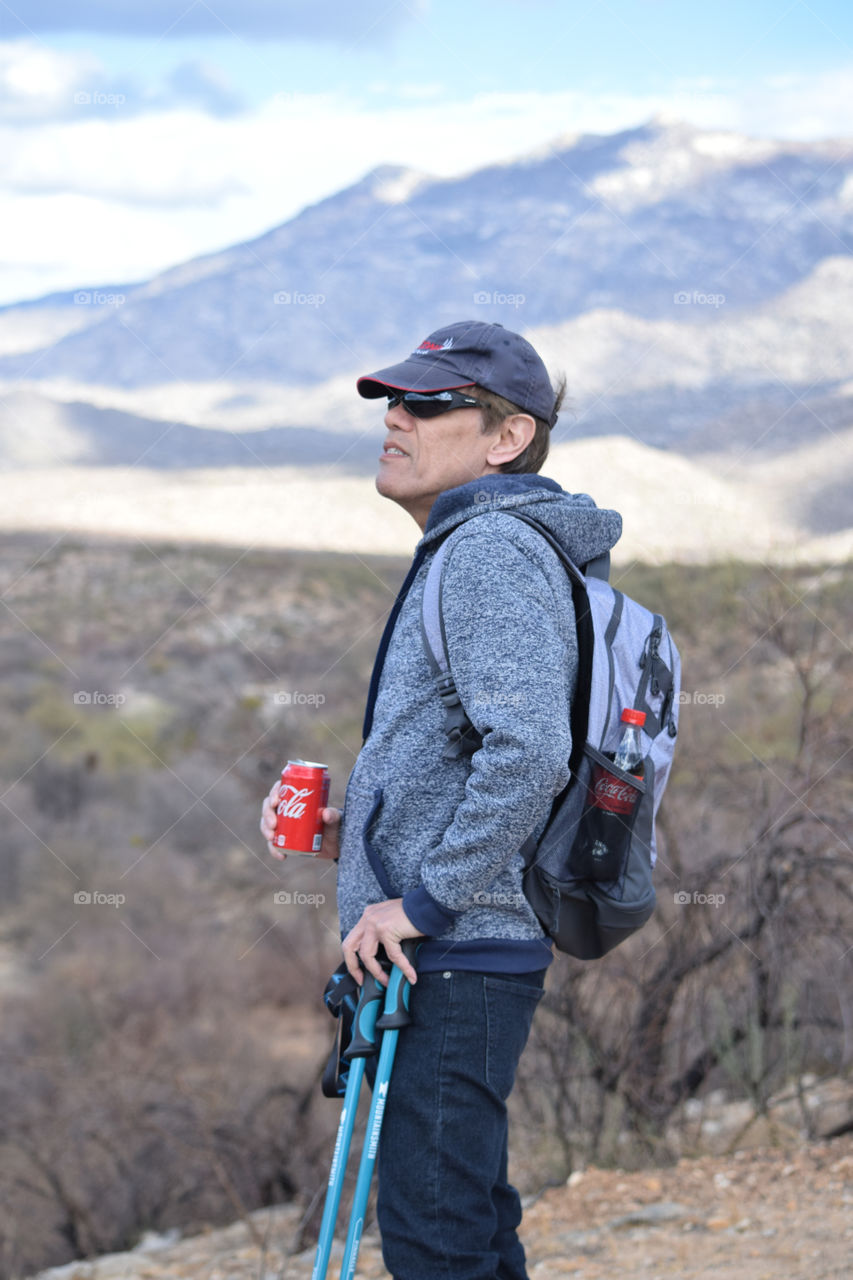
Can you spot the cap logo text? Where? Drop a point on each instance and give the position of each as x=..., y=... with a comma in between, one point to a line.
x=426, y=348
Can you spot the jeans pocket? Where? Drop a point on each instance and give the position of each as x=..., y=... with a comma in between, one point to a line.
x=510, y=1006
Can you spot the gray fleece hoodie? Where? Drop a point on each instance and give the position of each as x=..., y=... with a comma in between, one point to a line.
x=444, y=834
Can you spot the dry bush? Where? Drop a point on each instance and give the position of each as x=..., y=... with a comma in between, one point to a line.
x=742, y=980
x=151, y=1073
x=159, y=1059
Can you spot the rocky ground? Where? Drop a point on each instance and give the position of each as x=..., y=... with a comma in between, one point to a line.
x=760, y=1214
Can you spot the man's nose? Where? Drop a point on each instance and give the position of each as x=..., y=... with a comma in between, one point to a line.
x=399, y=418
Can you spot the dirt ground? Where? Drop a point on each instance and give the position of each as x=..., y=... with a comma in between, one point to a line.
x=753, y=1215
x=761, y=1214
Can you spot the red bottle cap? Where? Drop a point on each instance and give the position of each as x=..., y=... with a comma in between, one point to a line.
x=630, y=716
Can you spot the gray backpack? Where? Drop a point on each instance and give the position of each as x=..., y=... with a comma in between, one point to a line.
x=626, y=658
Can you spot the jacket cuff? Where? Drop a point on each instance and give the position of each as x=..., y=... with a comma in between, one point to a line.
x=426, y=914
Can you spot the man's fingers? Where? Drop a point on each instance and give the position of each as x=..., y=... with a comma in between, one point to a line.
x=397, y=956
x=351, y=959
x=371, y=963
x=268, y=822
x=365, y=953
x=360, y=954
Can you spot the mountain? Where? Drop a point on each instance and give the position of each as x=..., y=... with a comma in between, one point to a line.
x=696, y=287
x=37, y=430
x=36, y=324
x=764, y=376
x=654, y=224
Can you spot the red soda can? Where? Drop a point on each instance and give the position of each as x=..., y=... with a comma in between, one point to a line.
x=304, y=792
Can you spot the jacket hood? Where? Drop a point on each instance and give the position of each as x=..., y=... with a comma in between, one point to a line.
x=584, y=530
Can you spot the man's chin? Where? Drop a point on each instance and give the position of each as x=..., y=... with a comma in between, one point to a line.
x=386, y=486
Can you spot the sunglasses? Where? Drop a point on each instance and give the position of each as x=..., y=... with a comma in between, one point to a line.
x=429, y=404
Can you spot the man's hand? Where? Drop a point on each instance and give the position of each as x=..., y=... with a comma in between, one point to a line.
x=331, y=826
x=384, y=923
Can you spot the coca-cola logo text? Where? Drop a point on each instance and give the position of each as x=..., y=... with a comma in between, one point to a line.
x=612, y=794
x=295, y=804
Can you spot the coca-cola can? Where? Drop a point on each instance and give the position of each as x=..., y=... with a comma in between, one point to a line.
x=610, y=793
x=304, y=792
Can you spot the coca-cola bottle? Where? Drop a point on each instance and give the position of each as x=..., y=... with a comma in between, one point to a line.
x=629, y=753
x=606, y=824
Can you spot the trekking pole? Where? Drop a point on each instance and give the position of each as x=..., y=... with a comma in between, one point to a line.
x=361, y=1047
x=394, y=1016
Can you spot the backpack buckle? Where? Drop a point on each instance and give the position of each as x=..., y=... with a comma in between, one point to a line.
x=446, y=686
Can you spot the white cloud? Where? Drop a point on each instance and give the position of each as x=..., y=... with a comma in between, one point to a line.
x=800, y=106
x=120, y=196
x=39, y=85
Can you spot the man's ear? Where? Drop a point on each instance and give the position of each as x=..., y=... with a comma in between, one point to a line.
x=515, y=434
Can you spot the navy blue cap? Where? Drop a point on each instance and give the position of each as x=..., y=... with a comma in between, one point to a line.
x=470, y=351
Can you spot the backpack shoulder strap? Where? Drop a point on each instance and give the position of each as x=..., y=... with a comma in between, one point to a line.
x=432, y=619
x=462, y=737
x=599, y=567
x=571, y=568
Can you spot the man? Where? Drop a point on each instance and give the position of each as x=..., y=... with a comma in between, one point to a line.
x=429, y=846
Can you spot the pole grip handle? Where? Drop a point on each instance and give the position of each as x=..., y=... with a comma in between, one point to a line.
x=363, y=1041
x=396, y=1012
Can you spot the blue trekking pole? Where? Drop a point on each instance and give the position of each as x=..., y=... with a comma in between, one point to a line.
x=394, y=1016
x=361, y=1047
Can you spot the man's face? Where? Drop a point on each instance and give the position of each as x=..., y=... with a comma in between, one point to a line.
x=423, y=457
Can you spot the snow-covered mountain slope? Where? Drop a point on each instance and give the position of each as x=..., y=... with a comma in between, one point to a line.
x=627, y=223
x=38, y=430
x=761, y=378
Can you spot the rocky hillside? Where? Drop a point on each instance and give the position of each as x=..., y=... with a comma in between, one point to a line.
x=762, y=1214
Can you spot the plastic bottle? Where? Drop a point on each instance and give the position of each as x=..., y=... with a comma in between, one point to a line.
x=629, y=753
x=607, y=821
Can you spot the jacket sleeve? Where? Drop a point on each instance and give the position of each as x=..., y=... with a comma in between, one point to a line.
x=513, y=653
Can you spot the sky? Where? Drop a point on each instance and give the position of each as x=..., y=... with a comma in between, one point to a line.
x=138, y=134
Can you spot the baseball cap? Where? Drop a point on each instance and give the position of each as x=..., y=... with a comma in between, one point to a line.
x=466, y=352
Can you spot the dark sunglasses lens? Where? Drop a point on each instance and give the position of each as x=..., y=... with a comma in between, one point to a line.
x=426, y=407
x=432, y=404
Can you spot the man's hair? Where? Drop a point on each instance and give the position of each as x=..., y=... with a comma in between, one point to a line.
x=496, y=408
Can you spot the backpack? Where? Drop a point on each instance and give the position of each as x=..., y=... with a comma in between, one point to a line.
x=626, y=658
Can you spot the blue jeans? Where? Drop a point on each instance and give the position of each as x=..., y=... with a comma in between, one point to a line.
x=445, y=1208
